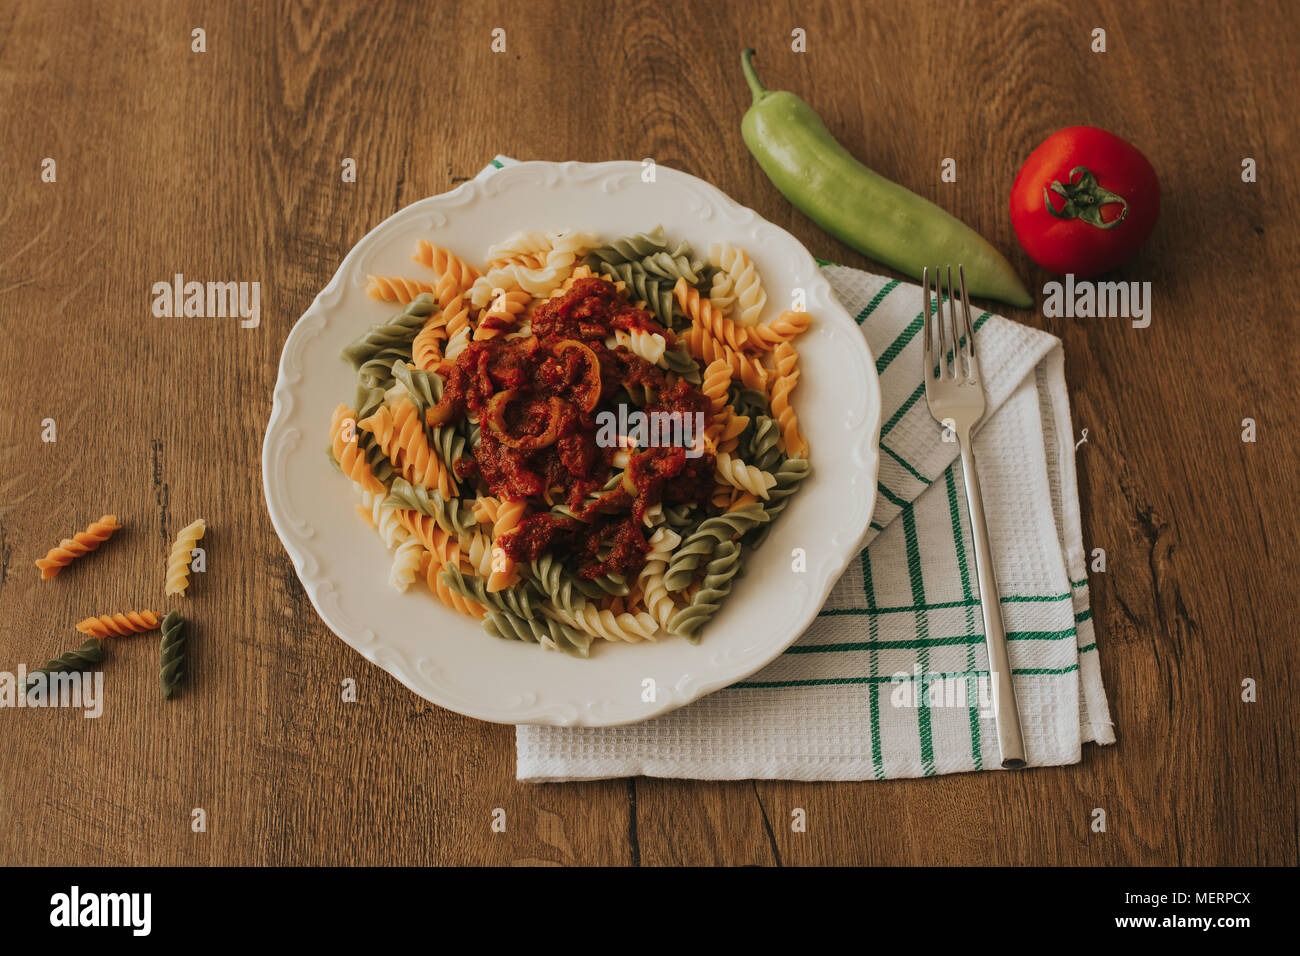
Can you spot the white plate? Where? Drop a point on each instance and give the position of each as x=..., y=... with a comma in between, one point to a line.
x=446, y=657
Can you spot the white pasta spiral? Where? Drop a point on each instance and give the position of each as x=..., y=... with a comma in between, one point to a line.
x=659, y=603
x=563, y=250
x=737, y=289
x=386, y=522
x=745, y=477
x=626, y=627
x=406, y=563
x=477, y=550
x=647, y=345
x=519, y=245
x=178, y=561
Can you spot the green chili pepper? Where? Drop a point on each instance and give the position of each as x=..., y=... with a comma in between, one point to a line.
x=875, y=216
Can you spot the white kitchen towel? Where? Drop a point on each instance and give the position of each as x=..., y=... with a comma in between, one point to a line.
x=891, y=679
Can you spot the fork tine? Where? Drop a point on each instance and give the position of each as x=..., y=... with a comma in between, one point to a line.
x=928, y=326
x=954, y=323
x=945, y=321
x=968, y=327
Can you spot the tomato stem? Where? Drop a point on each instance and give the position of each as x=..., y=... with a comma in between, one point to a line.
x=1084, y=199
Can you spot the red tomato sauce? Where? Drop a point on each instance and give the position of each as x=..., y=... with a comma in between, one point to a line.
x=536, y=400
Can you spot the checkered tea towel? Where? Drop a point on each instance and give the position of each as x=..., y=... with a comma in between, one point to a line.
x=887, y=681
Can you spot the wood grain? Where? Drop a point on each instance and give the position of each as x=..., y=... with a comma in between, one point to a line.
x=225, y=165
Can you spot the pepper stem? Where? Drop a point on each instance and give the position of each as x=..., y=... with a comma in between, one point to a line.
x=751, y=77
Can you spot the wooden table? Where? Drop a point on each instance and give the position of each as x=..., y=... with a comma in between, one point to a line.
x=226, y=165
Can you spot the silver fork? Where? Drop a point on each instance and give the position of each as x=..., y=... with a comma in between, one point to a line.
x=956, y=397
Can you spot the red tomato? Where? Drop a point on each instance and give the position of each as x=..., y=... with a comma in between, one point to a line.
x=1084, y=201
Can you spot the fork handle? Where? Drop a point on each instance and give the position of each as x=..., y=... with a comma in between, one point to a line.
x=1006, y=715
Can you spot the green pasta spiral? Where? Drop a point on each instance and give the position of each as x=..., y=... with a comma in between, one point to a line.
x=704, y=541
x=173, y=652
x=679, y=360
x=611, y=584
x=763, y=449
x=83, y=658
x=676, y=264
x=377, y=371
x=514, y=600
x=657, y=293
x=788, y=477
x=449, y=443
x=368, y=401
x=424, y=387
x=555, y=581
x=679, y=516
x=450, y=515
x=540, y=630
x=719, y=574
x=380, y=465
x=749, y=402
x=633, y=247
x=393, y=334
x=469, y=430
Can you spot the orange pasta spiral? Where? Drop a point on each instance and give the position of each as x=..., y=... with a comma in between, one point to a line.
x=445, y=263
x=716, y=382
x=702, y=313
x=119, y=625
x=725, y=425
x=395, y=288
x=501, y=314
x=400, y=434
x=503, y=566
x=426, y=348
x=783, y=328
x=787, y=377
x=83, y=542
x=348, y=453
x=444, y=547
x=703, y=346
x=458, y=325
x=486, y=509
x=431, y=571
x=728, y=437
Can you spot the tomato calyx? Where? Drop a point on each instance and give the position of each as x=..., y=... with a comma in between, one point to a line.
x=1084, y=199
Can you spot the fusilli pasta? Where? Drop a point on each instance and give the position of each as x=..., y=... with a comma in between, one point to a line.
x=172, y=649
x=83, y=658
x=395, y=288
x=737, y=287
x=787, y=377
x=119, y=625
x=81, y=543
x=178, y=561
